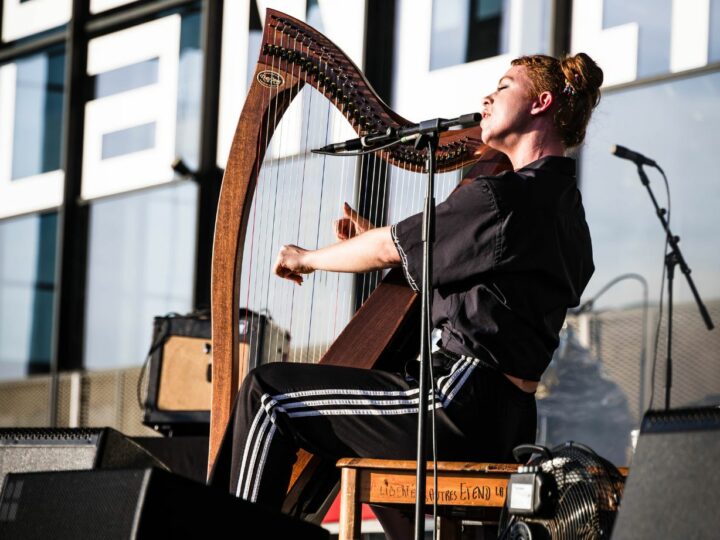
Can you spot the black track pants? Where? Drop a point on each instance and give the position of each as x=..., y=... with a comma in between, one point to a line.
x=339, y=412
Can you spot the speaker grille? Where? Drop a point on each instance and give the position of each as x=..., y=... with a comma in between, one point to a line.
x=681, y=420
x=109, y=506
x=50, y=435
x=58, y=449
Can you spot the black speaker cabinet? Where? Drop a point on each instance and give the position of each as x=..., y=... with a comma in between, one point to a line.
x=62, y=449
x=674, y=478
x=180, y=373
x=134, y=504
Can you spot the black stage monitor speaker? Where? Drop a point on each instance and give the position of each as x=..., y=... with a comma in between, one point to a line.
x=671, y=491
x=134, y=504
x=63, y=449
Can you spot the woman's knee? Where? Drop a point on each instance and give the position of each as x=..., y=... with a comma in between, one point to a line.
x=260, y=380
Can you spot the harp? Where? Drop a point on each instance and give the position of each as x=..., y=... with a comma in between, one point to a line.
x=271, y=196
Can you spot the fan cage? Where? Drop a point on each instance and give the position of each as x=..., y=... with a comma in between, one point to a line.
x=589, y=490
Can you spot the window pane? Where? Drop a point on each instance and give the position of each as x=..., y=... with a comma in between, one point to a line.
x=187, y=139
x=484, y=39
x=27, y=291
x=654, y=18
x=38, y=114
x=714, y=52
x=126, y=78
x=467, y=30
x=140, y=264
x=314, y=16
x=449, y=33
x=126, y=141
x=254, y=41
x=627, y=237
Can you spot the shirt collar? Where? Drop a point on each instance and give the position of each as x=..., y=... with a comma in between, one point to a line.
x=563, y=165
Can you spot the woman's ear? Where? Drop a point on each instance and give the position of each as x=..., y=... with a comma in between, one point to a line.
x=542, y=102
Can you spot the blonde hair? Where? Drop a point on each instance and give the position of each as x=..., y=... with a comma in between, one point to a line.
x=575, y=83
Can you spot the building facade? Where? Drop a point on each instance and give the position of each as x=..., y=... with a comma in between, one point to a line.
x=116, y=118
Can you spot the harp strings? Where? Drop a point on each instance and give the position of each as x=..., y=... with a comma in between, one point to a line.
x=272, y=223
x=334, y=279
x=297, y=197
x=288, y=294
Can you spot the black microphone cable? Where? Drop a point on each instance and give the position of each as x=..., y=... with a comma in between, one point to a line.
x=662, y=291
x=640, y=160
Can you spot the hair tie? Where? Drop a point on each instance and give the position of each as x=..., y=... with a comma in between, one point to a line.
x=569, y=88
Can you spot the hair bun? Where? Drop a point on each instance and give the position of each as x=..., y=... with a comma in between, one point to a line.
x=584, y=75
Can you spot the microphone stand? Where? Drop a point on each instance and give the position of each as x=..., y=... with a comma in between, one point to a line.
x=673, y=258
x=425, y=134
x=430, y=140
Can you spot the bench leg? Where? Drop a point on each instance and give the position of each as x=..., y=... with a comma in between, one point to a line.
x=350, y=506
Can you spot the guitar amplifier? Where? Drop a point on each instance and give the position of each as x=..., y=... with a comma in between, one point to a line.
x=180, y=367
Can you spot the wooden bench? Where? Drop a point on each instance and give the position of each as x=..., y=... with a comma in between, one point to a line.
x=469, y=490
x=474, y=491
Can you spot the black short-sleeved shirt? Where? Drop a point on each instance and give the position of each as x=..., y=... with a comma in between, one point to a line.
x=512, y=252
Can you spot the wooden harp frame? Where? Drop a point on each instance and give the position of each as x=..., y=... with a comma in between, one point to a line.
x=281, y=72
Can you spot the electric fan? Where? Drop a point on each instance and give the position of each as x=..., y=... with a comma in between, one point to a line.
x=565, y=493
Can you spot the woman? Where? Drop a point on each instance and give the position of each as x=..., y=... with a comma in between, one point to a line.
x=512, y=252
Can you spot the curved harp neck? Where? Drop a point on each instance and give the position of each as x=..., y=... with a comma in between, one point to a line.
x=292, y=47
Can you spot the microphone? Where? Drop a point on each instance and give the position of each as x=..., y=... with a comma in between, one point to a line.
x=356, y=144
x=625, y=153
x=352, y=144
x=440, y=124
x=403, y=134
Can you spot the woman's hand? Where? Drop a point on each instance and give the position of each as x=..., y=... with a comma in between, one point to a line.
x=351, y=224
x=292, y=262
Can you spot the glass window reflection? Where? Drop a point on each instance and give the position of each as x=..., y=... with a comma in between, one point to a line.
x=38, y=113
x=27, y=292
x=187, y=138
x=140, y=264
x=626, y=233
x=117, y=81
x=449, y=33
x=127, y=141
x=254, y=41
x=628, y=238
x=714, y=51
x=654, y=18
x=467, y=30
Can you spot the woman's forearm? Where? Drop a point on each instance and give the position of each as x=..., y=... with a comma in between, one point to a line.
x=371, y=250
